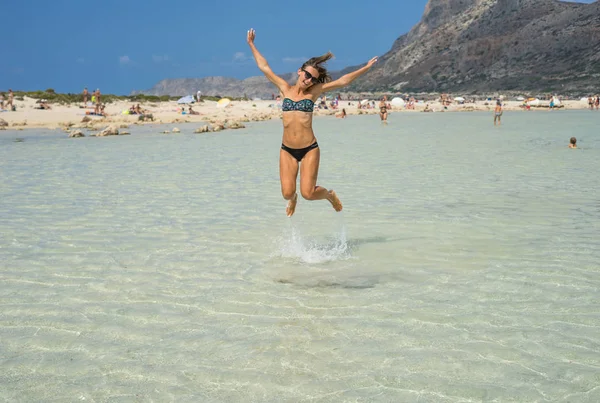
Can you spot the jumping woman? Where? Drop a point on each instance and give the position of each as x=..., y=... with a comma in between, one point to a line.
x=299, y=143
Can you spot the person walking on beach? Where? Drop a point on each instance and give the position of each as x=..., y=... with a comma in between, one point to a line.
x=9, y=103
x=498, y=113
x=98, y=102
x=1, y=101
x=299, y=148
x=85, y=96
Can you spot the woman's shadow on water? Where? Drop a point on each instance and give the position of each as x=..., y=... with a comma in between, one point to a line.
x=343, y=278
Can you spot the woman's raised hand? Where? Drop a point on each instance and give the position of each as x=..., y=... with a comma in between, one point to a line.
x=251, y=35
x=371, y=62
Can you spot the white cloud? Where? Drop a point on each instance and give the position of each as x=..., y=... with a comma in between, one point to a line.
x=294, y=59
x=239, y=57
x=160, y=58
x=124, y=60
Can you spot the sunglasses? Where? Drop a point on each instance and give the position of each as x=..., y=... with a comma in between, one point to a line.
x=308, y=76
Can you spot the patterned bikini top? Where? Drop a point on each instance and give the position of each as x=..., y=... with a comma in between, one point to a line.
x=304, y=105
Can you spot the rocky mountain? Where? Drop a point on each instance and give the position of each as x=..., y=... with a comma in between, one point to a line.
x=252, y=87
x=466, y=46
x=486, y=45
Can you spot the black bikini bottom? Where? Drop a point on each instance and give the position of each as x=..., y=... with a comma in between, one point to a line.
x=299, y=153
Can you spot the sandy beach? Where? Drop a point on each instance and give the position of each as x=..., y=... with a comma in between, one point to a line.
x=211, y=114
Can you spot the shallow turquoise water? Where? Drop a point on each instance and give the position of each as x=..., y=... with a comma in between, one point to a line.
x=464, y=267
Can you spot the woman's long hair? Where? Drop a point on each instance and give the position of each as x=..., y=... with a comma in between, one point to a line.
x=317, y=62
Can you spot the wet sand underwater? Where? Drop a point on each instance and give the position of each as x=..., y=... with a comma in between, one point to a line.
x=464, y=266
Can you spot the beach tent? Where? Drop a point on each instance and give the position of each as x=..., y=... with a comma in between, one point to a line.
x=223, y=102
x=188, y=99
x=397, y=101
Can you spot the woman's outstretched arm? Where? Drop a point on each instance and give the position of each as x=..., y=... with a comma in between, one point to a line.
x=262, y=64
x=346, y=79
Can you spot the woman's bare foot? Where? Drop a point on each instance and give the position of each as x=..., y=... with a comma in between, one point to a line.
x=291, y=206
x=334, y=200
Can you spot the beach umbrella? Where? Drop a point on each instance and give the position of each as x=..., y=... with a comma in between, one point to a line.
x=397, y=101
x=188, y=99
x=459, y=99
x=223, y=102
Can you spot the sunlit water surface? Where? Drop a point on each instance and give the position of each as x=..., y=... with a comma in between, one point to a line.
x=464, y=267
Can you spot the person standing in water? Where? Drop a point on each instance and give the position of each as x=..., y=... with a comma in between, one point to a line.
x=498, y=113
x=383, y=110
x=299, y=148
x=573, y=142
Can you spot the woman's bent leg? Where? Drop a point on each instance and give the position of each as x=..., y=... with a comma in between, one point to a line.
x=309, y=171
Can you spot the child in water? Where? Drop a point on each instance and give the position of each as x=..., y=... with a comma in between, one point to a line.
x=573, y=143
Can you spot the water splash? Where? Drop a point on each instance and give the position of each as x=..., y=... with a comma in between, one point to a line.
x=293, y=244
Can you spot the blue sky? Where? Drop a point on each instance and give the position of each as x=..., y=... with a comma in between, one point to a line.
x=119, y=46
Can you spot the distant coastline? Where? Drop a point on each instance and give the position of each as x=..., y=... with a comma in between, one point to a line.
x=67, y=112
